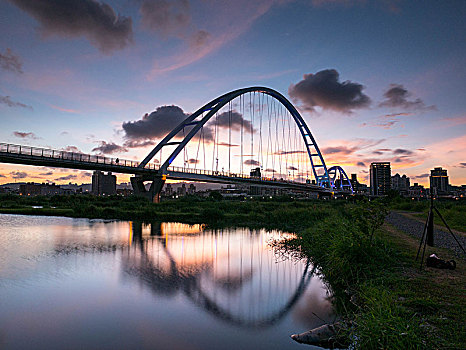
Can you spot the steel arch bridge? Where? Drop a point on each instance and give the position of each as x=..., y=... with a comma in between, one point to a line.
x=255, y=128
x=195, y=126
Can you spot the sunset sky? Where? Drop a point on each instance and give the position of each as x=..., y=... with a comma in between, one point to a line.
x=380, y=80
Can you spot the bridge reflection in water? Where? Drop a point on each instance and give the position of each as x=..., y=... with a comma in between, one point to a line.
x=233, y=274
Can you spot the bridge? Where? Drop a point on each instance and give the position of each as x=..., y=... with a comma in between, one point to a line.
x=252, y=136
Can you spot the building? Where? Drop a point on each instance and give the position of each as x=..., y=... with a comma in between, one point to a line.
x=168, y=190
x=103, y=184
x=380, y=178
x=417, y=191
x=439, y=181
x=33, y=189
x=181, y=191
x=400, y=183
x=192, y=189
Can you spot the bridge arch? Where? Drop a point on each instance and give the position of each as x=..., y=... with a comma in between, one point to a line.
x=198, y=119
x=344, y=183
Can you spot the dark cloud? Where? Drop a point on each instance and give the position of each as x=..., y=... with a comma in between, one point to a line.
x=18, y=174
x=397, y=96
x=64, y=178
x=282, y=153
x=403, y=151
x=154, y=125
x=235, y=119
x=200, y=39
x=165, y=17
x=86, y=174
x=92, y=19
x=25, y=135
x=292, y=168
x=360, y=164
x=193, y=161
x=226, y=144
x=270, y=170
x=6, y=100
x=47, y=173
x=325, y=90
x=11, y=62
x=422, y=176
x=1, y=175
x=109, y=148
x=339, y=149
x=251, y=162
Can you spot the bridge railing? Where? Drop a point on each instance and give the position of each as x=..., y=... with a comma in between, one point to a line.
x=229, y=174
x=65, y=155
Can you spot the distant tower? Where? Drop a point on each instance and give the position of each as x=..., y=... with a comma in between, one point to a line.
x=439, y=180
x=103, y=184
x=380, y=177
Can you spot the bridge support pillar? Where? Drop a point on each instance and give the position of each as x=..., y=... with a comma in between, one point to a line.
x=153, y=194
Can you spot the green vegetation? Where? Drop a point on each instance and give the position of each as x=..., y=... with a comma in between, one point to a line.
x=378, y=289
x=452, y=211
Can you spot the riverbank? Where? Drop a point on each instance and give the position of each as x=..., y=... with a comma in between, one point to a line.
x=378, y=287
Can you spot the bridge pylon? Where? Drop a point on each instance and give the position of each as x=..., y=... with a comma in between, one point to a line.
x=153, y=194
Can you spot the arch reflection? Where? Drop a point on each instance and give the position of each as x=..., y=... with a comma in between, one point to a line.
x=233, y=274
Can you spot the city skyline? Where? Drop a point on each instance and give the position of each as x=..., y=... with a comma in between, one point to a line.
x=374, y=80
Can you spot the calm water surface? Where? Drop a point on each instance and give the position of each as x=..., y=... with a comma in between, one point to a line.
x=93, y=284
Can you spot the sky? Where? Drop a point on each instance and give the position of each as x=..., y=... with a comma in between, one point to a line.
x=379, y=80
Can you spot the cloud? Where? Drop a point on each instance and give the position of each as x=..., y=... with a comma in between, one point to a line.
x=403, y=151
x=251, y=162
x=11, y=62
x=324, y=89
x=270, y=170
x=72, y=149
x=137, y=143
x=339, y=150
x=422, y=176
x=462, y=165
x=193, y=161
x=154, y=125
x=25, y=135
x=109, y=148
x=165, y=17
x=292, y=168
x=281, y=153
x=96, y=21
x=10, y=103
x=64, y=178
x=226, y=144
x=235, y=119
x=397, y=96
x=164, y=119
x=1, y=175
x=360, y=164
x=18, y=174
x=47, y=173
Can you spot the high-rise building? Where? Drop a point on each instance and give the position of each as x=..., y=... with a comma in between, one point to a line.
x=380, y=177
x=103, y=184
x=400, y=183
x=439, y=180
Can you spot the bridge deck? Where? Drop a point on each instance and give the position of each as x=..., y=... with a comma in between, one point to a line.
x=19, y=154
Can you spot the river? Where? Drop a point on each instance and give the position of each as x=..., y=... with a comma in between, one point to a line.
x=92, y=284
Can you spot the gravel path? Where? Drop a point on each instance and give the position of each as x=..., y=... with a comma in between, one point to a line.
x=442, y=238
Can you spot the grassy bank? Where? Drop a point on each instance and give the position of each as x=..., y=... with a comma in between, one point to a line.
x=378, y=288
